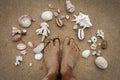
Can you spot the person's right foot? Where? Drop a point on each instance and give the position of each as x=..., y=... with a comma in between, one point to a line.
x=69, y=58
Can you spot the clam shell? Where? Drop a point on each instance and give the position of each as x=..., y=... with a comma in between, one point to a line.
x=47, y=15
x=39, y=48
x=21, y=46
x=85, y=53
x=38, y=56
x=101, y=62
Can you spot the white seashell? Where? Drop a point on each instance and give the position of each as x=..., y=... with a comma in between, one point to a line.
x=47, y=15
x=93, y=46
x=83, y=20
x=75, y=26
x=67, y=17
x=101, y=62
x=89, y=41
x=50, y=6
x=30, y=64
x=59, y=22
x=38, y=56
x=30, y=44
x=25, y=21
x=100, y=33
x=39, y=48
x=94, y=53
x=93, y=39
x=21, y=46
x=55, y=14
x=70, y=7
x=23, y=52
x=15, y=31
x=85, y=53
x=81, y=34
x=18, y=60
x=58, y=10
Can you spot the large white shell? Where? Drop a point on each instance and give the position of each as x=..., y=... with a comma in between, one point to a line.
x=85, y=53
x=101, y=62
x=38, y=56
x=81, y=34
x=39, y=48
x=21, y=46
x=25, y=21
x=47, y=15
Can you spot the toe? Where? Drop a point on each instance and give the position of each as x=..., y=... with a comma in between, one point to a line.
x=67, y=40
x=71, y=42
x=51, y=43
x=57, y=42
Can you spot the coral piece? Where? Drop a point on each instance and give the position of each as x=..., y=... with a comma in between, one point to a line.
x=47, y=15
x=104, y=44
x=38, y=56
x=85, y=53
x=21, y=46
x=55, y=14
x=25, y=21
x=83, y=20
x=59, y=22
x=100, y=33
x=44, y=31
x=39, y=48
x=18, y=60
x=101, y=62
x=69, y=6
x=81, y=34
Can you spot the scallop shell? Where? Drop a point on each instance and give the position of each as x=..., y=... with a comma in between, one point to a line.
x=85, y=53
x=47, y=15
x=21, y=46
x=25, y=21
x=38, y=56
x=39, y=48
x=101, y=62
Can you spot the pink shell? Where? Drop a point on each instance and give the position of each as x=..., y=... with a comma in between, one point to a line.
x=30, y=44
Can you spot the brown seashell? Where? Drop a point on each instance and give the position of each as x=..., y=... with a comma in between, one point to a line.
x=17, y=37
x=24, y=32
x=59, y=22
x=104, y=44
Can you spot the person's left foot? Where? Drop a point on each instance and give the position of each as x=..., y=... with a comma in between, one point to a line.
x=51, y=59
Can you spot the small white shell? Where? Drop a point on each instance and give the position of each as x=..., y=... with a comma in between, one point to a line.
x=38, y=56
x=55, y=14
x=18, y=60
x=23, y=52
x=30, y=64
x=75, y=26
x=21, y=46
x=47, y=15
x=81, y=34
x=39, y=48
x=30, y=44
x=58, y=10
x=67, y=17
x=93, y=46
x=94, y=53
x=85, y=53
x=93, y=39
x=101, y=62
x=25, y=21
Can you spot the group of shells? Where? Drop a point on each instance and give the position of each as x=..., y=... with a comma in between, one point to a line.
x=81, y=23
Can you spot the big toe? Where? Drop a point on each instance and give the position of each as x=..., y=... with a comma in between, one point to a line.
x=57, y=42
x=66, y=41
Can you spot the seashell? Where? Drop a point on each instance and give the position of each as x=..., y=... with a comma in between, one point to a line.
x=30, y=44
x=62, y=17
x=94, y=53
x=38, y=56
x=67, y=17
x=93, y=39
x=101, y=62
x=47, y=15
x=100, y=33
x=81, y=34
x=21, y=46
x=39, y=48
x=83, y=20
x=70, y=7
x=93, y=46
x=25, y=21
x=89, y=41
x=75, y=26
x=85, y=53
x=24, y=31
x=58, y=10
x=18, y=60
x=59, y=22
x=30, y=64
x=15, y=31
x=55, y=14
x=23, y=52
x=50, y=6
x=104, y=44
x=16, y=37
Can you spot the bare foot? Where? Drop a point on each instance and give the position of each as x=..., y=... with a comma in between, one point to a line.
x=51, y=54
x=69, y=59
